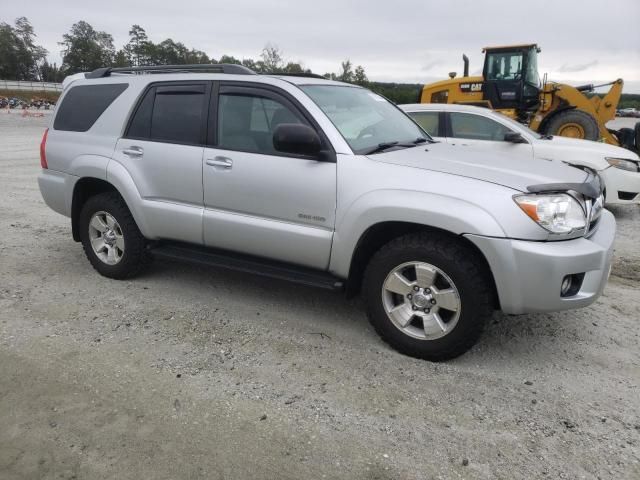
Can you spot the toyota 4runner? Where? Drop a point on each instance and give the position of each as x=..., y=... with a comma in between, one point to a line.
x=326, y=184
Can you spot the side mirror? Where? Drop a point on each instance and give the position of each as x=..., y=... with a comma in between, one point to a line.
x=297, y=139
x=514, y=137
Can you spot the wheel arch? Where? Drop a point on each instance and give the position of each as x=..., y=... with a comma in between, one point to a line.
x=84, y=189
x=379, y=234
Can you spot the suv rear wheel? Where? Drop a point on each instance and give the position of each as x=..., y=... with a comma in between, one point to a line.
x=427, y=296
x=110, y=237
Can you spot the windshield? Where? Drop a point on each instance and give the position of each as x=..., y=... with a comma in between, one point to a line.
x=365, y=120
x=504, y=66
x=532, y=68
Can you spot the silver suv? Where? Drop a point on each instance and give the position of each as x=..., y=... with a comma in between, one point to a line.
x=326, y=184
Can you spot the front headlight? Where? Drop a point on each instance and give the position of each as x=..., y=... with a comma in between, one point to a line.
x=623, y=164
x=557, y=212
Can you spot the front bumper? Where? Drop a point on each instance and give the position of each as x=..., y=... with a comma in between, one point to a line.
x=617, y=180
x=529, y=275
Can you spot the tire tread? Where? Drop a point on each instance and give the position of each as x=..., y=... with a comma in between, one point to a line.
x=455, y=252
x=137, y=256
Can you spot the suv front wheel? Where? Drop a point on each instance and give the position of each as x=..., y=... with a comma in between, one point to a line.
x=427, y=296
x=110, y=237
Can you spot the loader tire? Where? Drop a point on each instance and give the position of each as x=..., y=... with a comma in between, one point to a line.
x=574, y=124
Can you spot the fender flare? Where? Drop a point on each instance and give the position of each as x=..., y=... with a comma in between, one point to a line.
x=445, y=213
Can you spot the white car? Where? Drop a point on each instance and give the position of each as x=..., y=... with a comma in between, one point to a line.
x=464, y=125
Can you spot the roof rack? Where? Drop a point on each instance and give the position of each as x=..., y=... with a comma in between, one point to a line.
x=227, y=68
x=307, y=75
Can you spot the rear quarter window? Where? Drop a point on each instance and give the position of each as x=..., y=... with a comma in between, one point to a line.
x=83, y=105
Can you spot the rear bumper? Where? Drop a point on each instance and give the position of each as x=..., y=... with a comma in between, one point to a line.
x=57, y=190
x=529, y=275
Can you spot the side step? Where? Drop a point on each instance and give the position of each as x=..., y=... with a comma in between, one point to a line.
x=248, y=264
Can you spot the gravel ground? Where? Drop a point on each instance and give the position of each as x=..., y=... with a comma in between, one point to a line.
x=192, y=372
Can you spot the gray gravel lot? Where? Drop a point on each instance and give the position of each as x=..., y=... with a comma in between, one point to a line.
x=192, y=372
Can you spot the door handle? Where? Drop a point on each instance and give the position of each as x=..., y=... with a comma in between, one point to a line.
x=223, y=162
x=133, y=151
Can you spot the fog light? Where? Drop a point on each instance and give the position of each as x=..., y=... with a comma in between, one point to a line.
x=571, y=284
x=566, y=286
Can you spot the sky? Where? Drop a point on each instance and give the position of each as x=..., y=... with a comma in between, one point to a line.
x=417, y=41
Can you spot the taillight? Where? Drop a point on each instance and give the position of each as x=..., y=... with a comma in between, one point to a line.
x=43, y=147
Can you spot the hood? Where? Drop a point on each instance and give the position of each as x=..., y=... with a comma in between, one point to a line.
x=513, y=171
x=576, y=149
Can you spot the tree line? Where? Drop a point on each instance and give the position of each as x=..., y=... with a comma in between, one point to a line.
x=84, y=49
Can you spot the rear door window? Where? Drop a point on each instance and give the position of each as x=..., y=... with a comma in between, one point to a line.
x=172, y=114
x=83, y=105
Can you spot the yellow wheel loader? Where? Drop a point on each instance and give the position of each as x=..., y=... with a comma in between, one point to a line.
x=510, y=84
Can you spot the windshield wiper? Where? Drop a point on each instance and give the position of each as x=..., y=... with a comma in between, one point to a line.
x=381, y=147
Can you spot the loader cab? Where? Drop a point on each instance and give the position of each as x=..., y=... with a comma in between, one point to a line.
x=511, y=79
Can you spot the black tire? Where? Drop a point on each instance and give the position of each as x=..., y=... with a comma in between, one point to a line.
x=588, y=124
x=637, y=137
x=135, y=256
x=458, y=262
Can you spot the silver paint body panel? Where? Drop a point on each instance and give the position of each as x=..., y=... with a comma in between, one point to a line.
x=314, y=213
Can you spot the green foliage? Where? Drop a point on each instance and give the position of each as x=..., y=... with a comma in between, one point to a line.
x=629, y=100
x=346, y=72
x=86, y=49
x=360, y=77
x=398, y=93
x=51, y=73
x=20, y=57
x=272, y=61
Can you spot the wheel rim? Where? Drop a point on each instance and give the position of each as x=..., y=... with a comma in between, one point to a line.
x=421, y=300
x=571, y=130
x=107, y=240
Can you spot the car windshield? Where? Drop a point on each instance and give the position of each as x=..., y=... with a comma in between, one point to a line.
x=368, y=122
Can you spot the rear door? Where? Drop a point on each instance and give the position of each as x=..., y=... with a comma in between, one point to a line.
x=480, y=132
x=162, y=151
x=258, y=200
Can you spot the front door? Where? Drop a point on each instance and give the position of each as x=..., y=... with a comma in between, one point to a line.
x=258, y=200
x=480, y=132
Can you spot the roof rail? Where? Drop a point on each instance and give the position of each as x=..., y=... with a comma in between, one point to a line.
x=227, y=68
x=301, y=74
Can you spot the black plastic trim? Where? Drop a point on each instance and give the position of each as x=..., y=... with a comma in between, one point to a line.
x=302, y=75
x=591, y=188
x=227, y=68
x=248, y=264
